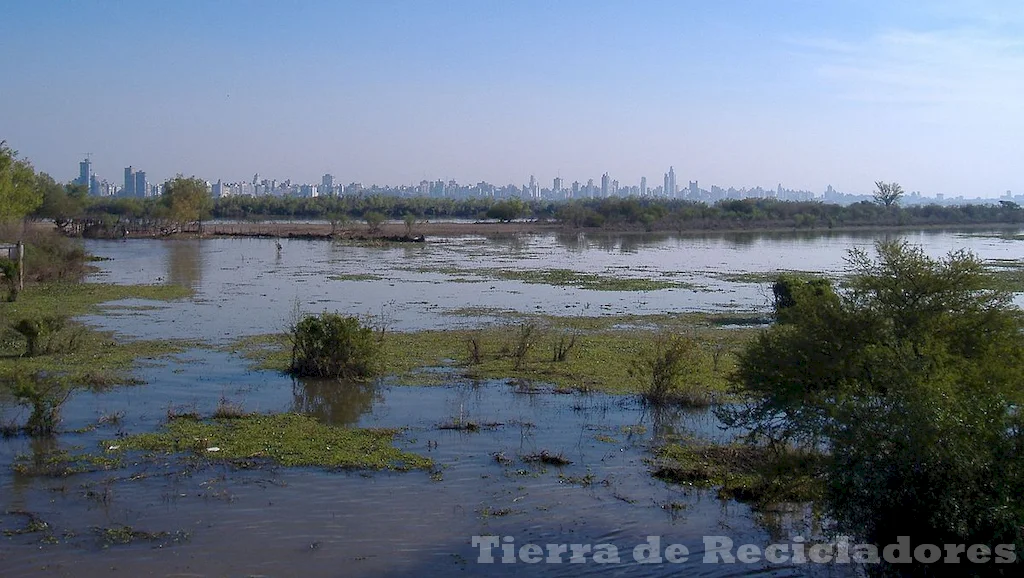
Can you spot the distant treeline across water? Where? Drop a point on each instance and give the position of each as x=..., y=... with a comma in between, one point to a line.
x=631, y=213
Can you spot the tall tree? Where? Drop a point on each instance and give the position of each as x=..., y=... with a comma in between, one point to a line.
x=187, y=201
x=18, y=193
x=887, y=194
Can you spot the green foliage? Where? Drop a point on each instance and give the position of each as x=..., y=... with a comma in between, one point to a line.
x=374, y=221
x=62, y=203
x=76, y=355
x=334, y=346
x=50, y=256
x=672, y=371
x=796, y=296
x=9, y=272
x=887, y=194
x=45, y=398
x=761, y=475
x=18, y=193
x=288, y=439
x=186, y=200
x=506, y=211
x=48, y=335
x=410, y=223
x=602, y=359
x=911, y=377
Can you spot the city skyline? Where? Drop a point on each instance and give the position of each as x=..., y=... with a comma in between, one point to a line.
x=135, y=180
x=745, y=94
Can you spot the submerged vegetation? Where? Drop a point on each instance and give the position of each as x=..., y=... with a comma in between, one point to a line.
x=286, y=439
x=44, y=357
x=762, y=475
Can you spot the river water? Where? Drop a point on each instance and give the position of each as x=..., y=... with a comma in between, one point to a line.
x=224, y=521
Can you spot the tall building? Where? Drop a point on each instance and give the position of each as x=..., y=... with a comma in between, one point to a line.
x=670, y=183
x=327, y=184
x=643, y=186
x=557, y=186
x=129, y=182
x=84, y=172
x=141, y=187
x=605, y=184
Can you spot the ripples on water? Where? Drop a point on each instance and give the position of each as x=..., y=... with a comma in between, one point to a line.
x=308, y=522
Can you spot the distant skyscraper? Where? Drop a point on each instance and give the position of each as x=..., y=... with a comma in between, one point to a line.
x=670, y=183
x=605, y=185
x=84, y=172
x=94, y=186
x=557, y=186
x=643, y=186
x=327, y=183
x=141, y=186
x=129, y=182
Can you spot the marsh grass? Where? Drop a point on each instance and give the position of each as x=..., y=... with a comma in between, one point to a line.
x=286, y=439
x=557, y=278
x=547, y=458
x=759, y=475
x=600, y=360
x=68, y=351
x=60, y=463
x=121, y=535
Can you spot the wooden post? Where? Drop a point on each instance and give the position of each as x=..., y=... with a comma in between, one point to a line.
x=21, y=266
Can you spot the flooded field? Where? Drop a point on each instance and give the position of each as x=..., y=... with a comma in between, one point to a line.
x=172, y=516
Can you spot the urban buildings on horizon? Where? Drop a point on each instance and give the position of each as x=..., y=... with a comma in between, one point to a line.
x=135, y=184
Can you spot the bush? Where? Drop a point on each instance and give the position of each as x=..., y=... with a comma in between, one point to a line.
x=672, y=371
x=908, y=376
x=45, y=397
x=9, y=272
x=50, y=256
x=48, y=335
x=334, y=346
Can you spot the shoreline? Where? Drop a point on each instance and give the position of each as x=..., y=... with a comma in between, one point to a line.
x=397, y=232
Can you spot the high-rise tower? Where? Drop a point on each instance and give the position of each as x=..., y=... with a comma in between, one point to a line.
x=129, y=182
x=84, y=172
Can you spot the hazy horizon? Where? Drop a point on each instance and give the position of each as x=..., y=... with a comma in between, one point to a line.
x=803, y=93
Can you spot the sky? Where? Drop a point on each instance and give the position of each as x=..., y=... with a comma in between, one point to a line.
x=804, y=93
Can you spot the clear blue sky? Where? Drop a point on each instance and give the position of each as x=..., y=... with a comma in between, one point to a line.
x=805, y=92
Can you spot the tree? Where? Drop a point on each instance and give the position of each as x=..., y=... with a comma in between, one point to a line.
x=887, y=194
x=410, y=223
x=18, y=193
x=62, y=203
x=374, y=221
x=507, y=211
x=186, y=201
x=910, y=379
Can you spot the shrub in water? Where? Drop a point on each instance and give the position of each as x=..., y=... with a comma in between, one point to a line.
x=332, y=345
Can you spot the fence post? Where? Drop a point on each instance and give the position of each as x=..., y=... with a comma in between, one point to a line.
x=21, y=266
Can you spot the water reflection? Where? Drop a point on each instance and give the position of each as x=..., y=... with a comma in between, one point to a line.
x=333, y=401
x=185, y=263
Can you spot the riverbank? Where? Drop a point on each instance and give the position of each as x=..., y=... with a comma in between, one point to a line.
x=398, y=232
